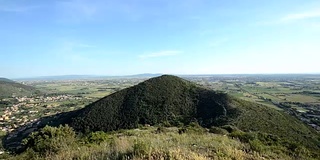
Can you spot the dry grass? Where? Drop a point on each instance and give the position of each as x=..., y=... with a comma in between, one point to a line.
x=147, y=144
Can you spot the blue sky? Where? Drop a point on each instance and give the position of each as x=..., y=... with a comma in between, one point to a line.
x=123, y=37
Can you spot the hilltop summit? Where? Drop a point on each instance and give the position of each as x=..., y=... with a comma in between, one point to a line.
x=162, y=99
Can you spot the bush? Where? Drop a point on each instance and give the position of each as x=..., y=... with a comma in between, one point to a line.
x=141, y=149
x=230, y=128
x=50, y=139
x=218, y=130
x=161, y=130
x=243, y=136
x=96, y=137
x=257, y=145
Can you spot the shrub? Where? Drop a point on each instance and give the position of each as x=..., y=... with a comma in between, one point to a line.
x=50, y=139
x=230, y=128
x=218, y=130
x=97, y=137
x=161, y=130
x=141, y=149
x=243, y=136
x=193, y=127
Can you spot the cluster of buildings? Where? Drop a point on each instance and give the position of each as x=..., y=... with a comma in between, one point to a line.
x=43, y=99
x=24, y=110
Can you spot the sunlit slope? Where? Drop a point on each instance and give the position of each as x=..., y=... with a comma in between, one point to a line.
x=9, y=88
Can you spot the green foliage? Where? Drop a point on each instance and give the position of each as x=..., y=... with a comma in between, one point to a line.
x=2, y=135
x=141, y=148
x=50, y=139
x=258, y=118
x=230, y=128
x=218, y=130
x=161, y=130
x=243, y=136
x=167, y=99
x=9, y=88
x=146, y=144
x=172, y=101
x=193, y=128
x=96, y=137
x=262, y=142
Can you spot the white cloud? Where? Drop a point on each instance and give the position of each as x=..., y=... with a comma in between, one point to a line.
x=292, y=17
x=301, y=16
x=160, y=54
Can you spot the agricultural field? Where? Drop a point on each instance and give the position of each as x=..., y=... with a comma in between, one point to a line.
x=84, y=88
x=298, y=95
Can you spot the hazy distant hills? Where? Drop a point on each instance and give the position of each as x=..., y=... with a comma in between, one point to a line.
x=174, y=101
x=88, y=77
x=151, y=75
x=9, y=88
x=5, y=80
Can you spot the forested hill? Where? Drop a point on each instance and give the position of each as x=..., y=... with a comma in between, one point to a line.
x=5, y=80
x=10, y=88
x=175, y=101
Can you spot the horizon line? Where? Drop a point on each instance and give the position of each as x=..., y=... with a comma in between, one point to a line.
x=151, y=74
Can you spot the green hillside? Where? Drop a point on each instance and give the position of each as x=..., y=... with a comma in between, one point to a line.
x=9, y=88
x=5, y=80
x=165, y=99
x=172, y=101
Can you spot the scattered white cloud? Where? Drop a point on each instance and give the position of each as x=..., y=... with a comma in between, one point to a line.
x=160, y=54
x=289, y=18
x=301, y=16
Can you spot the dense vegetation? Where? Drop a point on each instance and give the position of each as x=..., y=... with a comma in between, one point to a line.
x=172, y=101
x=9, y=88
x=166, y=99
x=188, y=142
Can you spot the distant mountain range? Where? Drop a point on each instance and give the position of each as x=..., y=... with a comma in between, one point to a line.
x=84, y=77
x=150, y=75
x=10, y=88
x=175, y=101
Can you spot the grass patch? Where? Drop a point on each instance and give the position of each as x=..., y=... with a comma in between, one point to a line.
x=147, y=144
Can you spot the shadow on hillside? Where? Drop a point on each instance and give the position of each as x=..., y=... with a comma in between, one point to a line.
x=214, y=109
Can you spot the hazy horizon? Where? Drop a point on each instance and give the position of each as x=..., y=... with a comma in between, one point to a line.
x=156, y=74
x=114, y=38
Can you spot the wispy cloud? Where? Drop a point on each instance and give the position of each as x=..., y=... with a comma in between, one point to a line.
x=160, y=54
x=301, y=16
x=70, y=11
